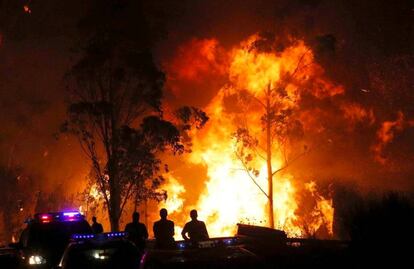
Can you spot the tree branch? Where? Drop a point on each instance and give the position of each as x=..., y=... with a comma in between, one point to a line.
x=250, y=176
x=126, y=197
x=290, y=162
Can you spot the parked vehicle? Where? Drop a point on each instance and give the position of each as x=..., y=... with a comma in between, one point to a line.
x=101, y=251
x=46, y=236
x=213, y=253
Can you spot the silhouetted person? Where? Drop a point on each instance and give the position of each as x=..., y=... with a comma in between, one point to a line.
x=195, y=229
x=137, y=231
x=164, y=231
x=96, y=227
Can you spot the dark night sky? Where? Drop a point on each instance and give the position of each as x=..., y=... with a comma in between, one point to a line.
x=35, y=52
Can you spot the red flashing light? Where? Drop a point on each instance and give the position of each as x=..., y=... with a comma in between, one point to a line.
x=45, y=218
x=58, y=216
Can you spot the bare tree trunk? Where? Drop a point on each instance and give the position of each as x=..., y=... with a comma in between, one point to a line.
x=114, y=213
x=114, y=185
x=115, y=204
x=269, y=159
x=115, y=197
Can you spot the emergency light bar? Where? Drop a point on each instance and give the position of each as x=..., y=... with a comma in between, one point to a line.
x=216, y=242
x=58, y=216
x=83, y=236
x=71, y=214
x=99, y=236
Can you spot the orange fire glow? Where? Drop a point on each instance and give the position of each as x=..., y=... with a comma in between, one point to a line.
x=175, y=201
x=229, y=196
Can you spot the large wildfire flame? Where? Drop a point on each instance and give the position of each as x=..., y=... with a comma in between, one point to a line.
x=230, y=197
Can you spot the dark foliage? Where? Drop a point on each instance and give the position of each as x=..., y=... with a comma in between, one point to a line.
x=115, y=93
x=382, y=230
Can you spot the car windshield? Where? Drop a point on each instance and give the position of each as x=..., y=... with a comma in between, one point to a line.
x=118, y=254
x=55, y=234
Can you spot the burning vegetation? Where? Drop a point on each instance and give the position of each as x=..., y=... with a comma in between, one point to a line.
x=255, y=132
x=291, y=114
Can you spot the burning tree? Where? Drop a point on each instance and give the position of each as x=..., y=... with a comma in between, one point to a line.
x=269, y=77
x=115, y=107
x=236, y=130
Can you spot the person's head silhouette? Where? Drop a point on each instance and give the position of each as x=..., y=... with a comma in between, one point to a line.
x=135, y=217
x=193, y=214
x=163, y=213
x=94, y=219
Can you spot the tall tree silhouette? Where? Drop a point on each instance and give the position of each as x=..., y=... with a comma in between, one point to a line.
x=115, y=92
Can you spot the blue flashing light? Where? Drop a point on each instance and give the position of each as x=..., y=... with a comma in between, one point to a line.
x=71, y=214
x=99, y=236
x=181, y=245
x=82, y=236
x=228, y=241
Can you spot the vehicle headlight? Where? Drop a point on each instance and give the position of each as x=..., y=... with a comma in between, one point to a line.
x=36, y=259
x=100, y=255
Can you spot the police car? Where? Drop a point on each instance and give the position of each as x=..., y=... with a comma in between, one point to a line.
x=214, y=253
x=100, y=251
x=44, y=239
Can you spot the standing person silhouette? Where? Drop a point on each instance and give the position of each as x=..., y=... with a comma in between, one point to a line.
x=96, y=226
x=137, y=231
x=195, y=229
x=164, y=231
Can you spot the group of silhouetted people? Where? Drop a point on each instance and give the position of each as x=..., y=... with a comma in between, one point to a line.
x=194, y=230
